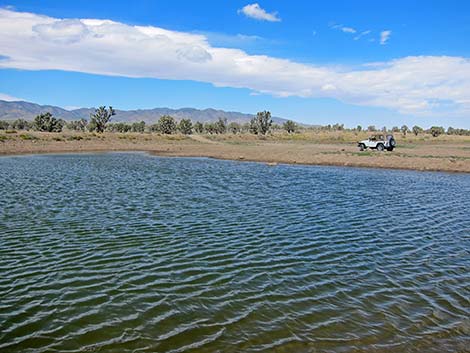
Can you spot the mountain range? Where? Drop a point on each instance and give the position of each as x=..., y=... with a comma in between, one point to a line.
x=28, y=111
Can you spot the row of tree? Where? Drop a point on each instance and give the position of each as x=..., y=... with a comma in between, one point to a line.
x=416, y=130
x=48, y=123
x=261, y=124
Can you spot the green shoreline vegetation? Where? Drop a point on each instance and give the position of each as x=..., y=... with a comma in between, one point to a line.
x=260, y=125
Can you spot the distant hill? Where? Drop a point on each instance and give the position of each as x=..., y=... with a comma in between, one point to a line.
x=28, y=111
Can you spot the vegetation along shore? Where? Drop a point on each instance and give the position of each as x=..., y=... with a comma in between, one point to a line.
x=261, y=140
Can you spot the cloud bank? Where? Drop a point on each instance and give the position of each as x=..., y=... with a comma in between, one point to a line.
x=418, y=85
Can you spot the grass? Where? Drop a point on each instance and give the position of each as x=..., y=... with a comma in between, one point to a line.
x=28, y=137
x=3, y=138
x=74, y=138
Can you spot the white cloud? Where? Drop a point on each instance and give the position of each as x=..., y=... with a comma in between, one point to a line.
x=418, y=85
x=8, y=98
x=258, y=13
x=385, y=36
x=344, y=29
x=348, y=30
x=362, y=34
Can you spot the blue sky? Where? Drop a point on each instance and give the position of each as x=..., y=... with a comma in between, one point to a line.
x=335, y=67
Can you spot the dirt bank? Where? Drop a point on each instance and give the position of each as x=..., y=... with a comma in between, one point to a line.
x=452, y=155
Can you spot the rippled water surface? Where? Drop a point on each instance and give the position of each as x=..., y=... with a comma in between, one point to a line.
x=133, y=253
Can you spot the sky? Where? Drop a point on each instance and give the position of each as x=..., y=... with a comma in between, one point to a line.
x=316, y=62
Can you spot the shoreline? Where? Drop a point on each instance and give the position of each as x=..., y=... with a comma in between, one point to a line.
x=434, y=156
x=266, y=162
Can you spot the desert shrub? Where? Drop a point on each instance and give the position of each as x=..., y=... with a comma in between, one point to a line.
x=3, y=138
x=119, y=127
x=234, y=127
x=417, y=130
x=185, y=126
x=28, y=137
x=21, y=124
x=209, y=128
x=220, y=126
x=166, y=125
x=4, y=125
x=138, y=127
x=46, y=122
x=371, y=128
x=75, y=138
x=290, y=126
x=461, y=132
x=435, y=131
x=404, y=130
x=77, y=125
x=100, y=119
x=261, y=123
x=198, y=127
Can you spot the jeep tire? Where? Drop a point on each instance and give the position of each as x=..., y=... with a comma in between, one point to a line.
x=380, y=147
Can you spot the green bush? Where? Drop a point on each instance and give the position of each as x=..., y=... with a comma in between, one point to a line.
x=166, y=125
x=138, y=127
x=198, y=127
x=290, y=126
x=28, y=137
x=261, y=123
x=46, y=122
x=234, y=127
x=435, y=131
x=100, y=119
x=185, y=126
x=77, y=125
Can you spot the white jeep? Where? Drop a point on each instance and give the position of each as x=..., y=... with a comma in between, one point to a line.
x=379, y=142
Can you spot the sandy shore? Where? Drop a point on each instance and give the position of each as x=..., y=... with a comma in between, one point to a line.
x=451, y=154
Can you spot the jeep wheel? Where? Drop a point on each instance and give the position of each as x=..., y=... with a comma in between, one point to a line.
x=380, y=147
x=362, y=147
x=392, y=143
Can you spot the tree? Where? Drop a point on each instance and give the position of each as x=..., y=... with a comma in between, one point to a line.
x=198, y=127
x=119, y=127
x=21, y=124
x=395, y=129
x=46, y=122
x=417, y=130
x=138, y=127
x=100, y=119
x=359, y=128
x=436, y=131
x=77, y=125
x=338, y=127
x=210, y=128
x=220, y=126
x=261, y=123
x=290, y=126
x=404, y=129
x=234, y=127
x=4, y=125
x=371, y=128
x=253, y=128
x=167, y=125
x=185, y=126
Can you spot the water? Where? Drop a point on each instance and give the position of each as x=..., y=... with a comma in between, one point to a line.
x=133, y=253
